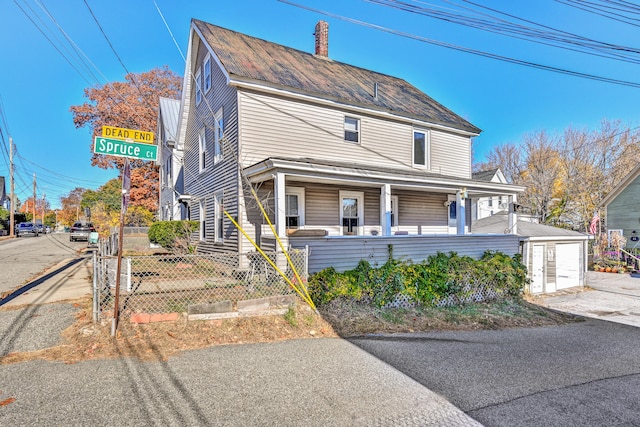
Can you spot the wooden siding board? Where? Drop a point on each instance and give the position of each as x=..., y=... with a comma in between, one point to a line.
x=344, y=253
x=223, y=176
x=274, y=125
x=622, y=212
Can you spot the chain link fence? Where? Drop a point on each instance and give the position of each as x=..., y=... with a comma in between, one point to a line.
x=178, y=283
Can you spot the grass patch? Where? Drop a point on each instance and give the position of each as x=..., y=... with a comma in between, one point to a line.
x=349, y=318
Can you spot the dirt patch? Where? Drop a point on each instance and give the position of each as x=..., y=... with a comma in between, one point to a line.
x=85, y=340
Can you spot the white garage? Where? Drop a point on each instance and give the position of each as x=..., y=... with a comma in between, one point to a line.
x=556, y=258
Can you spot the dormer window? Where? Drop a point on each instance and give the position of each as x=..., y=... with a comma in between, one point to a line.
x=352, y=129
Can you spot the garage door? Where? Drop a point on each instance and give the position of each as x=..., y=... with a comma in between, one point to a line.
x=567, y=265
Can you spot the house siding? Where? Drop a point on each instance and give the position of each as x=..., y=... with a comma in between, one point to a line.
x=621, y=213
x=375, y=249
x=223, y=176
x=318, y=132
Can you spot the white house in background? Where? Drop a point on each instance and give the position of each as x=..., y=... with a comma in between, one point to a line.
x=338, y=153
x=489, y=205
x=170, y=161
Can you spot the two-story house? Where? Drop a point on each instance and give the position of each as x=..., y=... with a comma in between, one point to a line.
x=335, y=151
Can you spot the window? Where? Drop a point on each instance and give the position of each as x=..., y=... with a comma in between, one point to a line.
x=167, y=172
x=218, y=134
x=202, y=149
x=352, y=212
x=203, y=220
x=351, y=129
x=207, y=73
x=198, y=87
x=394, y=211
x=421, y=149
x=490, y=204
x=294, y=207
x=219, y=217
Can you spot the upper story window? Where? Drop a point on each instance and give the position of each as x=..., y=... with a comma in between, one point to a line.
x=421, y=148
x=207, y=73
x=218, y=134
x=198, y=86
x=351, y=129
x=202, y=150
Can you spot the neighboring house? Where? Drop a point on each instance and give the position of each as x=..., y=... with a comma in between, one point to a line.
x=171, y=188
x=622, y=209
x=3, y=194
x=556, y=258
x=334, y=150
x=487, y=206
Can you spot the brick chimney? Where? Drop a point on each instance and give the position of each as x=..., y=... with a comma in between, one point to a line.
x=322, y=38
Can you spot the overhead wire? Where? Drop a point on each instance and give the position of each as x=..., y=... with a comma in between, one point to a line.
x=468, y=50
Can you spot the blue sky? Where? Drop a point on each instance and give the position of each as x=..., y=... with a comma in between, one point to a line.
x=507, y=101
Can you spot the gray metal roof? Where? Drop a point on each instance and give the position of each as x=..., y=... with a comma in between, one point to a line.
x=251, y=59
x=169, y=114
x=485, y=175
x=498, y=223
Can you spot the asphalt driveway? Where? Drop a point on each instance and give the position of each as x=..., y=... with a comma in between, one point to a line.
x=580, y=374
x=607, y=296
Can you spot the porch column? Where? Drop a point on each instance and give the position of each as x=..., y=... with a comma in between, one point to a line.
x=385, y=209
x=513, y=216
x=279, y=208
x=460, y=212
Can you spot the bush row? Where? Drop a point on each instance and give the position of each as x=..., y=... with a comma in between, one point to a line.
x=440, y=278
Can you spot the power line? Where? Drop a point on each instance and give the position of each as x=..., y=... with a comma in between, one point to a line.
x=468, y=50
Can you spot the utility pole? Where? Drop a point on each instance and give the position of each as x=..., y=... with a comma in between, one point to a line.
x=34, y=198
x=12, y=196
x=44, y=195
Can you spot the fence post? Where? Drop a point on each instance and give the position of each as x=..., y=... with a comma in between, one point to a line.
x=95, y=288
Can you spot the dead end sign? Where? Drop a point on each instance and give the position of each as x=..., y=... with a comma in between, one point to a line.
x=131, y=135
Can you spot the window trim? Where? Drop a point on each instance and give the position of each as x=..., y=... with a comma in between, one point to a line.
x=359, y=196
x=296, y=191
x=207, y=83
x=394, y=215
x=218, y=119
x=427, y=149
x=197, y=77
x=358, y=130
x=202, y=150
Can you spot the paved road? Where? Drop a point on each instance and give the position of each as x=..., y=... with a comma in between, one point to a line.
x=582, y=374
x=27, y=257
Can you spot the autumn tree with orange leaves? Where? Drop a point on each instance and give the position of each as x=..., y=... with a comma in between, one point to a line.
x=132, y=104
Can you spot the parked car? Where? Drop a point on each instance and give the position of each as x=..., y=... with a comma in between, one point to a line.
x=80, y=231
x=41, y=228
x=25, y=228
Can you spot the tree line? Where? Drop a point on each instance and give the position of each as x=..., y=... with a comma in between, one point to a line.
x=566, y=176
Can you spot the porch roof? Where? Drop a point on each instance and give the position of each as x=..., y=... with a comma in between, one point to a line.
x=336, y=172
x=496, y=224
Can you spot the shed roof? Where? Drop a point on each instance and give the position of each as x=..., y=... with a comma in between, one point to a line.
x=250, y=59
x=498, y=223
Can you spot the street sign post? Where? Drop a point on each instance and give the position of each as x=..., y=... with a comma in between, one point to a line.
x=132, y=150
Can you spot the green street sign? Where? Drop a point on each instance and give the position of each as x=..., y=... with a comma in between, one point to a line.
x=117, y=147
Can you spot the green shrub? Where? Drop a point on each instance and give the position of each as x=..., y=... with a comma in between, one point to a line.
x=442, y=277
x=175, y=236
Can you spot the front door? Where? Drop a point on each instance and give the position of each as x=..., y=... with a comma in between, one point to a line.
x=352, y=213
x=537, y=269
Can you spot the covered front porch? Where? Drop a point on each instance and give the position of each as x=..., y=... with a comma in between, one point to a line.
x=313, y=199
